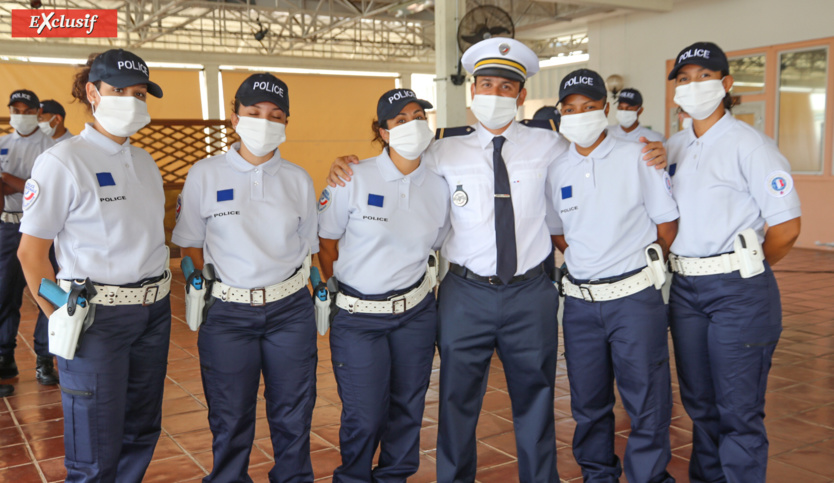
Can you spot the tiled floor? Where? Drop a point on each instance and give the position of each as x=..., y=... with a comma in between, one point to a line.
x=800, y=405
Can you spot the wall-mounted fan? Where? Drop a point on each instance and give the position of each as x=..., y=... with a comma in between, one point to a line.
x=478, y=24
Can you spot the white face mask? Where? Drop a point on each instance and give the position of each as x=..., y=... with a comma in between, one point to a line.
x=121, y=116
x=409, y=140
x=260, y=136
x=700, y=99
x=24, y=124
x=626, y=118
x=494, y=112
x=686, y=123
x=584, y=128
x=46, y=128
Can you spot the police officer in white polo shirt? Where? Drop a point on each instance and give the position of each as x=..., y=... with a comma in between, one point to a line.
x=51, y=120
x=252, y=215
x=628, y=127
x=18, y=152
x=376, y=236
x=101, y=201
x=726, y=316
x=609, y=207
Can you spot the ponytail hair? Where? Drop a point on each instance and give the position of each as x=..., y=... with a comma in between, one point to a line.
x=79, y=83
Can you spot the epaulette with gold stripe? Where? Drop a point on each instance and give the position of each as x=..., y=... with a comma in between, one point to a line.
x=541, y=123
x=447, y=132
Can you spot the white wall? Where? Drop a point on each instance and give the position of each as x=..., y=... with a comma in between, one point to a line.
x=637, y=46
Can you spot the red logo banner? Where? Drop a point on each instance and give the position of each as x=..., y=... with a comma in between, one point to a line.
x=64, y=23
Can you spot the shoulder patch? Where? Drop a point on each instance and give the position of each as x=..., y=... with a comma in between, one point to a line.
x=179, y=206
x=667, y=181
x=325, y=199
x=447, y=132
x=548, y=124
x=779, y=184
x=31, y=190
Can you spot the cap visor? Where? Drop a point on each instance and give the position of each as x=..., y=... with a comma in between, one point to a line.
x=592, y=94
x=123, y=81
x=252, y=100
x=497, y=72
x=398, y=107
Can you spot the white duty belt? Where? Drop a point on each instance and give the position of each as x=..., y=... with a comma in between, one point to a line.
x=9, y=217
x=116, y=295
x=726, y=263
x=395, y=305
x=601, y=292
x=265, y=295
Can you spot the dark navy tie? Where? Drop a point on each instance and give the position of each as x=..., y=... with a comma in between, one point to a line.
x=504, y=216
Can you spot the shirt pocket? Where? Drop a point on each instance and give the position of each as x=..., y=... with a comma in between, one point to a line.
x=472, y=199
x=527, y=187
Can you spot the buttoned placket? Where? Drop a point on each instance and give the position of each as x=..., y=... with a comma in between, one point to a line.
x=257, y=188
x=589, y=174
x=697, y=152
x=127, y=161
x=404, y=189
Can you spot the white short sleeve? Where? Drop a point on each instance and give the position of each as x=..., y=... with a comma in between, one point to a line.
x=307, y=228
x=50, y=194
x=771, y=185
x=656, y=186
x=551, y=217
x=190, y=231
x=333, y=212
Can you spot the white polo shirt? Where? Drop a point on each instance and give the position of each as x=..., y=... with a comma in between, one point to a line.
x=386, y=224
x=730, y=179
x=17, y=157
x=67, y=135
x=635, y=135
x=104, y=206
x=256, y=224
x=465, y=162
x=608, y=206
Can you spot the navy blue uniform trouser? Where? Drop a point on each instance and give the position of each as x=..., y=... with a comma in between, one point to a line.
x=112, y=393
x=519, y=321
x=725, y=329
x=237, y=343
x=12, y=284
x=624, y=339
x=382, y=365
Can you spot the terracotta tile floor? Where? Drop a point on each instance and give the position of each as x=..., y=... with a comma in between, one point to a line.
x=800, y=405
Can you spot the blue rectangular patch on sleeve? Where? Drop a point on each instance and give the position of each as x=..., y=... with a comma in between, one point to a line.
x=225, y=195
x=672, y=169
x=567, y=192
x=105, y=179
x=375, y=200
x=4, y=151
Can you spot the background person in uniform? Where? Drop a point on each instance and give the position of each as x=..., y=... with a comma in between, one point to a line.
x=608, y=208
x=376, y=235
x=18, y=152
x=252, y=214
x=628, y=127
x=513, y=310
x=51, y=120
x=548, y=113
x=726, y=315
x=93, y=184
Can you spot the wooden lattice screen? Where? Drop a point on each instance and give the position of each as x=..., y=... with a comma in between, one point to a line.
x=176, y=144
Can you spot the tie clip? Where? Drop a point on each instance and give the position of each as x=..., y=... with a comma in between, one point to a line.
x=501, y=196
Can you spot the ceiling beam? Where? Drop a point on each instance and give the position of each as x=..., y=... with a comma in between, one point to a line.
x=647, y=5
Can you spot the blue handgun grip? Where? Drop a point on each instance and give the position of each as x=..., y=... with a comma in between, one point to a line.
x=187, y=266
x=315, y=280
x=52, y=292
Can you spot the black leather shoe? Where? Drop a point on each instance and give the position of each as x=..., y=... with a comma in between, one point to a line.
x=46, y=371
x=6, y=390
x=8, y=367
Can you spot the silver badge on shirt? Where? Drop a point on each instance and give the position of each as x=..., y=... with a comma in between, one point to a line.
x=459, y=197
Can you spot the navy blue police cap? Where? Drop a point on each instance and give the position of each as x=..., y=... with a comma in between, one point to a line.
x=548, y=113
x=51, y=106
x=393, y=101
x=630, y=96
x=264, y=88
x=705, y=54
x=585, y=82
x=25, y=96
x=121, y=69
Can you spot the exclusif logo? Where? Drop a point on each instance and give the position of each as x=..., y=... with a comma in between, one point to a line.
x=65, y=23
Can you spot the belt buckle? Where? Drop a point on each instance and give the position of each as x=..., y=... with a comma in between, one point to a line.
x=494, y=280
x=252, y=297
x=586, y=293
x=145, y=301
x=394, y=303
